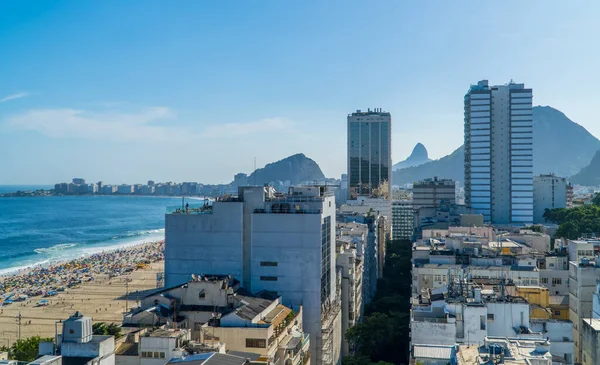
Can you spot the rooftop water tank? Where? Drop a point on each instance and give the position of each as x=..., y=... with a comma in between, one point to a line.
x=77, y=328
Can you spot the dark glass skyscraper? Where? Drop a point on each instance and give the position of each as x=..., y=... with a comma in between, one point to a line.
x=369, y=153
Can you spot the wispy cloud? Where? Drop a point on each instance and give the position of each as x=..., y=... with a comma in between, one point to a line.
x=13, y=97
x=144, y=125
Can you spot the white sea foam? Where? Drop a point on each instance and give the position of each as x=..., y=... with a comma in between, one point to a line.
x=69, y=251
x=59, y=247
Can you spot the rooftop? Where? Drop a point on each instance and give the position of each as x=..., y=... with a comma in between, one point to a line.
x=593, y=322
x=437, y=352
x=375, y=111
x=277, y=315
x=224, y=359
x=162, y=332
x=250, y=307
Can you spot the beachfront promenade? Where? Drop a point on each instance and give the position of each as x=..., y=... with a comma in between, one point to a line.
x=95, y=285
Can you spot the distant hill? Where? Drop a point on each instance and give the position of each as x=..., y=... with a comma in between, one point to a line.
x=296, y=168
x=589, y=175
x=560, y=146
x=448, y=167
x=418, y=157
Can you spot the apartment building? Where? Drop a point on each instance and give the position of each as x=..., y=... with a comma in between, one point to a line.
x=280, y=243
x=499, y=152
x=402, y=220
x=549, y=192
x=432, y=192
x=583, y=276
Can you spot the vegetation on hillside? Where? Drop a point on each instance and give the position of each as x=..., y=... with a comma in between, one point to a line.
x=573, y=222
x=383, y=335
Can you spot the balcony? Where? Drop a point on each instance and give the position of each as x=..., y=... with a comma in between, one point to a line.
x=282, y=327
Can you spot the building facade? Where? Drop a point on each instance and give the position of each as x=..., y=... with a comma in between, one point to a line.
x=431, y=192
x=280, y=243
x=402, y=220
x=549, y=192
x=369, y=153
x=499, y=152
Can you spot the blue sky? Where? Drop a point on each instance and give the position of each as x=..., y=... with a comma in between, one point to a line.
x=194, y=90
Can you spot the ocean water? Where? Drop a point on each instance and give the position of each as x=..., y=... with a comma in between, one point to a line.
x=40, y=230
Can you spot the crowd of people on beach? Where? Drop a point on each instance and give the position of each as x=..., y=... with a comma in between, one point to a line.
x=49, y=280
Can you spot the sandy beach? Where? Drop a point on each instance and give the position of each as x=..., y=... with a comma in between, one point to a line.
x=88, y=285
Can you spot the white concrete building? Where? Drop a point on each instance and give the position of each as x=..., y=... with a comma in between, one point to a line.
x=458, y=321
x=431, y=192
x=499, y=152
x=549, y=192
x=590, y=341
x=374, y=247
x=554, y=274
x=402, y=220
x=78, y=343
x=583, y=278
x=560, y=334
x=266, y=328
x=281, y=243
x=580, y=249
x=369, y=153
x=161, y=345
x=350, y=266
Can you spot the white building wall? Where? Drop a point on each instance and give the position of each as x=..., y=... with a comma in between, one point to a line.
x=432, y=333
x=204, y=243
x=507, y=317
x=549, y=192
x=294, y=241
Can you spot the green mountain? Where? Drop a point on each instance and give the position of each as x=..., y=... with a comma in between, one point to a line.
x=296, y=168
x=589, y=175
x=560, y=146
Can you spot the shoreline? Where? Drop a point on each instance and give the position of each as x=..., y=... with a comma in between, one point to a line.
x=82, y=252
x=51, y=278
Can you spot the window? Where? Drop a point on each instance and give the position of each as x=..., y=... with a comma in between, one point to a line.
x=162, y=355
x=268, y=278
x=482, y=322
x=556, y=281
x=256, y=343
x=544, y=280
x=268, y=263
x=144, y=354
x=490, y=317
x=557, y=313
x=156, y=355
x=437, y=278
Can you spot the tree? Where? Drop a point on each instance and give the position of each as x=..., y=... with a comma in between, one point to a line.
x=27, y=349
x=100, y=328
x=385, y=325
x=596, y=199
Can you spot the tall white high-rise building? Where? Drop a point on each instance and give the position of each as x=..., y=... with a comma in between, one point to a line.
x=549, y=192
x=280, y=243
x=499, y=152
x=370, y=153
